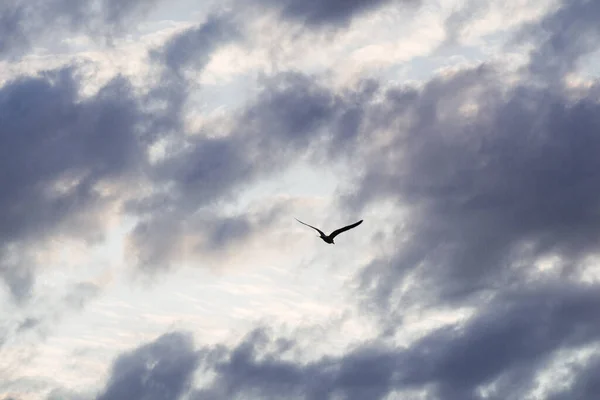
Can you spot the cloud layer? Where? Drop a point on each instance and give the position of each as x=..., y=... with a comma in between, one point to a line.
x=501, y=351
x=490, y=169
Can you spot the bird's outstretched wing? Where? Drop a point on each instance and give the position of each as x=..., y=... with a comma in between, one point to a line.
x=317, y=229
x=344, y=229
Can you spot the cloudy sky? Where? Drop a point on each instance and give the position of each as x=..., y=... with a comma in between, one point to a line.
x=154, y=155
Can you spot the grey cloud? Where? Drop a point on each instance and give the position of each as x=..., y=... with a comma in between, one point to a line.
x=286, y=119
x=289, y=117
x=48, y=133
x=560, y=39
x=563, y=37
x=315, y=13
x=296, y=113
x=208, y=169
x=507, y=342
x=291, y=111
x=193, y=46
x=23, y=24
x=519, y=330
x=161, y=370
x=229, y=229
x=249, y=370
x=513, y=336
x=186, y=51
x=54, y=149
x=117, y=11
x=489, y=193
x=165, y=238
x=57, y=148
x=11, y=33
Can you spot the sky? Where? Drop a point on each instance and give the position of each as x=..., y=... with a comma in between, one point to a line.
x=154, y=156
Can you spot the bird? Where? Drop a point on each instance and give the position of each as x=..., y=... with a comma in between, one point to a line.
x=329, y=238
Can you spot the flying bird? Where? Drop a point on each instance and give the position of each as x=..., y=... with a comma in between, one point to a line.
x=329, y=238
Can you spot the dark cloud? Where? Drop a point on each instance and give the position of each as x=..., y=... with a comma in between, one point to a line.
x=317, y=13
x=559, y=40
x=59, y=151
x=198, y=176
x=482, y=174
x=194, y=46
x=161, y=370
x=117, y=11
x=258, y=367
x=514, y=335
x=495, y=175
x=72, y=145
x=290, y=114
x=562, y=38
x=180, y=60
x=49, y=134
x=504, y=346
x=519, y=331
x=296, y=112
x=23, y=24
x=490, y=190
x=11, y=33
x=287, y=119
x=55, y=149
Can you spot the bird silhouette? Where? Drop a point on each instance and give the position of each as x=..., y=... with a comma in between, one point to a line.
x=329, y=238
